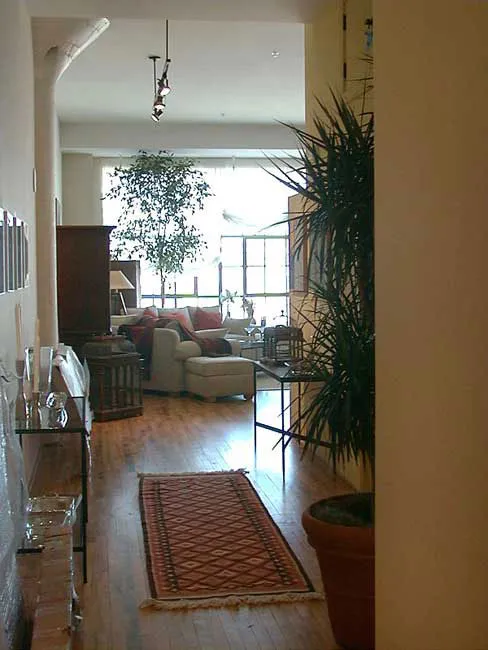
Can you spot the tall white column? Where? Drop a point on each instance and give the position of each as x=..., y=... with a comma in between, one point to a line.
x=431, y=96
x=45, y=116
x=56, y=44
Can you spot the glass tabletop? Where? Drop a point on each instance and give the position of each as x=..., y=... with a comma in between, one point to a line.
x=38, y=418
x=287, y=373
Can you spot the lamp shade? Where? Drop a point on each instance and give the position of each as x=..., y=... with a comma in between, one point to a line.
x=119, y=281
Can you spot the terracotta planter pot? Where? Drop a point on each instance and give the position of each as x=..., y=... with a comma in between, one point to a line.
x=346, y=559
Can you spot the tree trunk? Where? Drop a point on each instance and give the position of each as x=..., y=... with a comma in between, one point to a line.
x=163, y=288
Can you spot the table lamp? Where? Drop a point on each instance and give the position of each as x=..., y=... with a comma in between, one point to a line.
x=119, y=281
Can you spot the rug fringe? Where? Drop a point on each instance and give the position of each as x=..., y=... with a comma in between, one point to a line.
x=230, y=601
x=241, y=470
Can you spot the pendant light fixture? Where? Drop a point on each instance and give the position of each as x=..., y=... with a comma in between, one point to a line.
x=161, y=85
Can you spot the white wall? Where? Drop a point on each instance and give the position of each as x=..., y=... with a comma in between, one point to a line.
x=17, y=163
x=431, y=92
x=81, y=190
x=17, y=156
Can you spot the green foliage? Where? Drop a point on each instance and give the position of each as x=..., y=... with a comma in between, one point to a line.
x=335, y=177
x=158, y=194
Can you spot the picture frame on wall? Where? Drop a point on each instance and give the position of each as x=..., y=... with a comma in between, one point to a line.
x=19, y=254
x=57, y=211
x=11, y=257
x=2, y=254
x=14, y=252
x=25, y=254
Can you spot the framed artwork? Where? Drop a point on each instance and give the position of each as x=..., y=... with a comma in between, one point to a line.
x=57, y=211
x=19, y=254
x=25, y=254
x=3, y=283
x=14, y=253
x=11, y=258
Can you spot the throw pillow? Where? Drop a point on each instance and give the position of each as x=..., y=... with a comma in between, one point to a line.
x=216, y=333
x=193, y=310
x=207, y=320
x=180, y=314
x=237, y=325
x=182, y=331
x=151, y=311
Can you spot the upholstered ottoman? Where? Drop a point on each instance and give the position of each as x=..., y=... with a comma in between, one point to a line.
x=212, y=377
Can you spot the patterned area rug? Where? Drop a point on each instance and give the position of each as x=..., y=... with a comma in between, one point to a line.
x=210, y=542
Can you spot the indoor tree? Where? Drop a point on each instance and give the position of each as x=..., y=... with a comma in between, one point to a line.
x=158, y=194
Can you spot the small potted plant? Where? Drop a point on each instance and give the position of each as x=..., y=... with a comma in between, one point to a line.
x=335, y=178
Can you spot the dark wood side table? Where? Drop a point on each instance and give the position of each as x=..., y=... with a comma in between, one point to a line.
x=115, y=384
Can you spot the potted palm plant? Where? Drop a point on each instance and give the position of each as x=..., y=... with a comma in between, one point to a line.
x=335, y=178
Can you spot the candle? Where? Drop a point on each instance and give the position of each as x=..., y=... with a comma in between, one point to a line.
x=18, y=332
x=37, y=358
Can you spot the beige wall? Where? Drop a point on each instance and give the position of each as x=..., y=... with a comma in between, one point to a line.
x=324, y=56
x=17, y=160
x=81, y=190
x=431, y=89
x=327, y=48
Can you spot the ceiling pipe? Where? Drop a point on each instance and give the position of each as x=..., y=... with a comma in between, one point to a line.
x=56, y=43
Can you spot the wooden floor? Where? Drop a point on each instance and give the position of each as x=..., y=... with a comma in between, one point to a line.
x=178, y=434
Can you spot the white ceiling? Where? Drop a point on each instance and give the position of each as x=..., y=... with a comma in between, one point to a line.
x=234, y=10
x=222, y=71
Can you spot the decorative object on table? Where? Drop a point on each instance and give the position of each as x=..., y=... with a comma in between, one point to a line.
x=282, y=343
x=254, y=331
x=248, y=308
x=119, y=282
x=36, y=375
x=210, y=542
x=336, y=163
x=45, y=368
x=158, y=195
x=227, y=298
x=51, y=409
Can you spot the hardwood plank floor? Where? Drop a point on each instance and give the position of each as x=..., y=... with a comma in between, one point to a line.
x=179, y=434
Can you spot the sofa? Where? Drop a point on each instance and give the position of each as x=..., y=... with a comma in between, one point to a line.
x=169, y=371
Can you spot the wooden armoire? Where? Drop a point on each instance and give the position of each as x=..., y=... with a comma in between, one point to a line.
x=83, y=275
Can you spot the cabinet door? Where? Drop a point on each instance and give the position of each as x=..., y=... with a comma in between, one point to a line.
x=83, y=266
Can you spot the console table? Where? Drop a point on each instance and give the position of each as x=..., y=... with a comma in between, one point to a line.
x=76, y=420
x=283, y=375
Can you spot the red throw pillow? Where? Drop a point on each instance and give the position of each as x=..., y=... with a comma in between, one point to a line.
x=207, y=320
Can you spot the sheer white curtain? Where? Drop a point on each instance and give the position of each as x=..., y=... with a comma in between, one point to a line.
x=246, y=200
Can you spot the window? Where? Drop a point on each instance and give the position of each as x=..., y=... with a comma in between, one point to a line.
x=258, y=270
x=245, y=251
